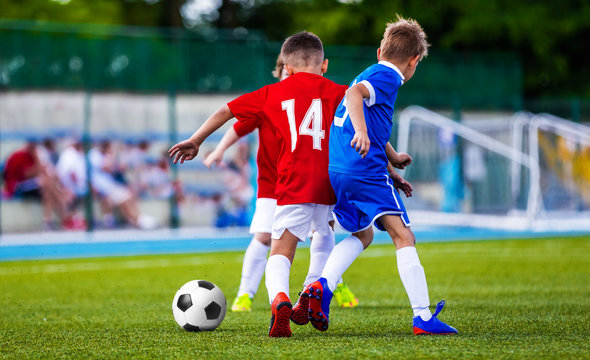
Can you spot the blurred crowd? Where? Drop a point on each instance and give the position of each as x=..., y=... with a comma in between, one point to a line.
x=121, y=174
x=59, y=179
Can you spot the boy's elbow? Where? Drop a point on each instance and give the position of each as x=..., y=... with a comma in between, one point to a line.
x=226, y=111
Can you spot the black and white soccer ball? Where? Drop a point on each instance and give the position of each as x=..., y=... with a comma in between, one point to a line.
x=199, y=305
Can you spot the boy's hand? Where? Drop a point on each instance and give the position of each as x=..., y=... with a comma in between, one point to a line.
x=184, y=150
x=214, y=157
x=403, y=160
x=361, y=143
x=401, y=184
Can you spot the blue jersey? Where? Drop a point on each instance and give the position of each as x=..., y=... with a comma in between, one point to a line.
x=383, y=81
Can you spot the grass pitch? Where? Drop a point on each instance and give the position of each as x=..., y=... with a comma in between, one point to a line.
x=508, y=299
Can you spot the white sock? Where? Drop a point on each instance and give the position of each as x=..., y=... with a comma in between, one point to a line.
x=320, y=249
x=340, y=259
x=412, y=275
x=253, y=268
x=278, y=268
x=340, y=281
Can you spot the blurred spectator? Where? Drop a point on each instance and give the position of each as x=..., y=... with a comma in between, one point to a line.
x=48, y=154
x=113, y=194
x=27, y=176
x=71, y=171
x=134, y=162
x=157, y=182
x=233, y=208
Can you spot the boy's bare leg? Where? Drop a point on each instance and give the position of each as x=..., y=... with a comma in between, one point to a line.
x=130, y=211
x=285, y=245
x=263, y=238
x=409, y=267
x=401, y=235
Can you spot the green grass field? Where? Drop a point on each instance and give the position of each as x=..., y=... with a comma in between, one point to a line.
x=508, y=299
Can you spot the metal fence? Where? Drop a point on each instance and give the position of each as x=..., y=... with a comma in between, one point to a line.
x=111, y=58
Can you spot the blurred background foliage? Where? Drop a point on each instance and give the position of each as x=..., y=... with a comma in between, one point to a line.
x=549, y=37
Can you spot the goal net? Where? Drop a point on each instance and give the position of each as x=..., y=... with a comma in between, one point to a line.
x=522, y=172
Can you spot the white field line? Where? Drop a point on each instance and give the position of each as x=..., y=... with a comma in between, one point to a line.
x=113, y=265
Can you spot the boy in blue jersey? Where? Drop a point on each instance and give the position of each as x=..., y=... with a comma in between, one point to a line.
x=363, y=183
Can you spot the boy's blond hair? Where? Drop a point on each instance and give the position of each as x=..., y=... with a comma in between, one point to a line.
x=302, y=50
x=403, y=39
x=278, y=67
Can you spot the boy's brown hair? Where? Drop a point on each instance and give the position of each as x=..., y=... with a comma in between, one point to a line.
x=403, y=39
x=302, y=49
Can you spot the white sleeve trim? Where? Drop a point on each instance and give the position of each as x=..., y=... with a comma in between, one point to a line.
x=371, y=100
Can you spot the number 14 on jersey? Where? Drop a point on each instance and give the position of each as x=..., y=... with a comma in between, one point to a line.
x=310, y=126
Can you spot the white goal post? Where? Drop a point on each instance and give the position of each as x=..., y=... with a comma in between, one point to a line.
x=499, y=183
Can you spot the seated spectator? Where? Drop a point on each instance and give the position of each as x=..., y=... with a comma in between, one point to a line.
x=26, y=176
x=114, y=194
x=71, y=171
x=134, y=162
x=233, y=210
x=156, y=180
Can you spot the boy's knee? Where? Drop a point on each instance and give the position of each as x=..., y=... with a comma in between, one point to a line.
x=366, y=237
x=366, y=242
x=263, y=238
x=404, y=239
x=285, y=245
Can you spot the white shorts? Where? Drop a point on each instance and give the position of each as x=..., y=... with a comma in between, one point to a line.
x=263, y=216
x=299, y=219
x=107, y=187
x=118, y=194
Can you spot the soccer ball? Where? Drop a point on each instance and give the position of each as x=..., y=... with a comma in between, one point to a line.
x=199, y=305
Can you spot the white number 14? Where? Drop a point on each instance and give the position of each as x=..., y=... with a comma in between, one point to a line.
x=311, y=124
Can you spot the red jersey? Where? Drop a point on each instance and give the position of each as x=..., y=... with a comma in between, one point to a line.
x=16, y=168
x=301, y=109
x=268, y=150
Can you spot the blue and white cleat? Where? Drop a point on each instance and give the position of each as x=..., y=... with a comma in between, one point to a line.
x=433, y=326
x=320, y=297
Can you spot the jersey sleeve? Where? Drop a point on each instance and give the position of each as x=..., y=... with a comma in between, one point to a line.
x=248, y=109
x=246, y=126
x=381, y=88
x=340, y=91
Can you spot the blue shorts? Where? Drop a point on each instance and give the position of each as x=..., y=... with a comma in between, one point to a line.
x=361, y=201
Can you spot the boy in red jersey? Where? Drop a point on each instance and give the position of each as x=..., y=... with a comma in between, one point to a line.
x=266, y=201
x=261, y=227
x=301, y=109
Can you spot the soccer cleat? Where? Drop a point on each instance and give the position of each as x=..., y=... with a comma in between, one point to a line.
x=242, y=303
x=433, y=326
x=300, y=315
x=344, y=297
x=281, y=313
x=320, y=297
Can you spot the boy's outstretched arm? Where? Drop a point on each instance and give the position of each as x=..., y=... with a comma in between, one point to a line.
x=354, y=105
x=398, y=160
x=189, y=148
x=228, y=140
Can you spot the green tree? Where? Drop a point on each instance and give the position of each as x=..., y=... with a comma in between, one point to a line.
x=550, y=37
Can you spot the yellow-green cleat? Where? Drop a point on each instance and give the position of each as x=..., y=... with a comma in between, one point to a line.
x=344, y=297
x=242, y=303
